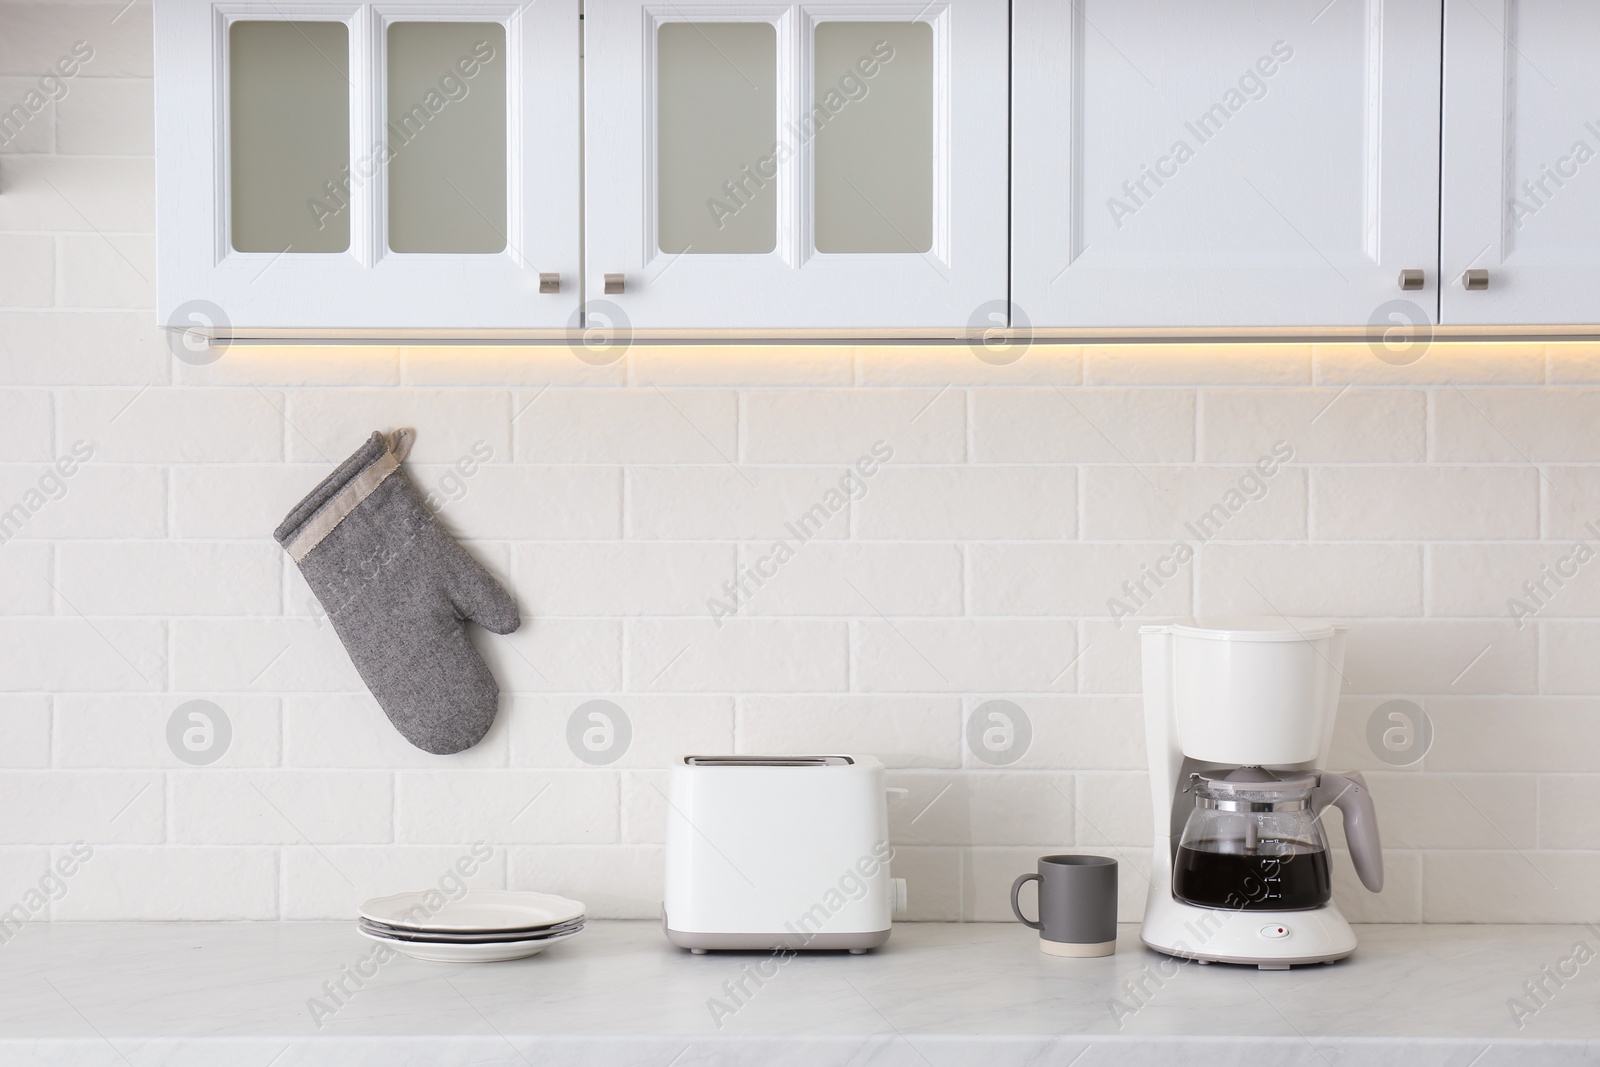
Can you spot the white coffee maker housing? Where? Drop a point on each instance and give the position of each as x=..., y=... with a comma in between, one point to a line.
x=1234, y=692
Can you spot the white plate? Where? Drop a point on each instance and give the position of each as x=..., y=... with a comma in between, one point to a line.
x=493, y=952
x=478, y=911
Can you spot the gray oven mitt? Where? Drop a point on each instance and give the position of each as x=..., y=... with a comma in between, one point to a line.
x=399, y=590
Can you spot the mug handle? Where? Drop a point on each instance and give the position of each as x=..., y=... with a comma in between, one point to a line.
x=1016, y=909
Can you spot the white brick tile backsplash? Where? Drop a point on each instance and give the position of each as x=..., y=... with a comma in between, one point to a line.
x=1416, y=503
x=126, y=730
x=1197, y=364
x=842, y=426
x=1195, y=504
x=331, y=881
x=726, y=502
x=281, y=807
x=980, y=503
x=265, y=655
x=25, y=578
x=622, y=577
x=622, y=882
x=169, y=577
x=27, y=263
x=1514, y=425
x=79, y=194
x=173, y=425
x=1526, y=734
x=237, y=502
x=74, y=654
x=740, y=656
x=49, y=807
x=1078, y=579
x=25, y=724
x=37, y=35
x=834, y=578
x=1414, y=656
x=918, y=731
x=329, y=424
x=660, y=730
x=557, y=655
x=101, y=348
x=964, y=655
x=26, y=431
x=530, y=503
x=1008, y=550
x=350, y=730
x=1367, y=580
x=106, y=117
x=516, y=807
x=1439, y=362
x=1510, y=887
x=108, y=271
x=964, y=364
x=174, y=883
x=626, y=426
x=36, y=133
x=1063, y=425
x=1322, y=425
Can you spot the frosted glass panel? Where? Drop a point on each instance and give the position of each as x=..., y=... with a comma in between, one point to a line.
x=717, y=133
x=289, y=136
x=873, y=122
x=447, y=136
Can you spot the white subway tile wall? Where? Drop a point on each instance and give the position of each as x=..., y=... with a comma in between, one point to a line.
x=692, y=541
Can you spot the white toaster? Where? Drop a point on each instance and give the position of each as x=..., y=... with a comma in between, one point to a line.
x=779, y=852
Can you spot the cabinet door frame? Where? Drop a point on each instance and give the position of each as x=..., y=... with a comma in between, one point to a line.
x=367, y=287
x=795, y=287
x=1056, y=289
x=1477, y=187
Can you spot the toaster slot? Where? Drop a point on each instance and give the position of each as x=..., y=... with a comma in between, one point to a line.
x=768, y=761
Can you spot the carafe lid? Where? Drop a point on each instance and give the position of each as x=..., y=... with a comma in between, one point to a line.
x=1254, y=783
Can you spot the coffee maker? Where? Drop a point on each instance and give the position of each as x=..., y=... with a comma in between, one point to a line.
x=1238, y=719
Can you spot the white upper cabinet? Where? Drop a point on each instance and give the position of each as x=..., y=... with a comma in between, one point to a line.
x=1230, y=163
x=1521, y=189
x=404, y=165
x=765, y=166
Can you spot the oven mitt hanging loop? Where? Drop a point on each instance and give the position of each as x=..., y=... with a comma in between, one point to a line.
x=399, y=590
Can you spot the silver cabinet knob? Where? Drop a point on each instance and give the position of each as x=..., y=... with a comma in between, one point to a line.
x=549, y=282
x=613, y=284
x=1476, y=278
x=1411, y=278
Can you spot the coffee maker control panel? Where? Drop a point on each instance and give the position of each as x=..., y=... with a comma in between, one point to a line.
x=1275, y=931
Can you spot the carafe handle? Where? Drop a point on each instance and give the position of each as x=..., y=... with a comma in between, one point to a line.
x=1349, y=793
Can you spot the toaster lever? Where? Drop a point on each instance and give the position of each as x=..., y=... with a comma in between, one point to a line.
x=899, y=887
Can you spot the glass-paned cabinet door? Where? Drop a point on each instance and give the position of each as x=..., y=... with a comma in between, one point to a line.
x=768, y=166
x=1521, y=180
x=1234, y=163
x=398, y=166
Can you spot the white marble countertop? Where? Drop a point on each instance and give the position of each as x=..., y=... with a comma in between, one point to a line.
x=938, y=994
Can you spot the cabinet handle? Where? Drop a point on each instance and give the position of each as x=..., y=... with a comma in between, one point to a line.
x=1411, y=278
x=1476, y=278
x=613, y=284
x=549, y=282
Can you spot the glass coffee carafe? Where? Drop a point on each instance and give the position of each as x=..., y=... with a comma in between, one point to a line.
x=1253, y=842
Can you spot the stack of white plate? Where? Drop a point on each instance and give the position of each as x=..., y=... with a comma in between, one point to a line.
x=480, y=926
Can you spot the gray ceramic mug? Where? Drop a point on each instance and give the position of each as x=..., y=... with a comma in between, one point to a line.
x=1077, y=905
